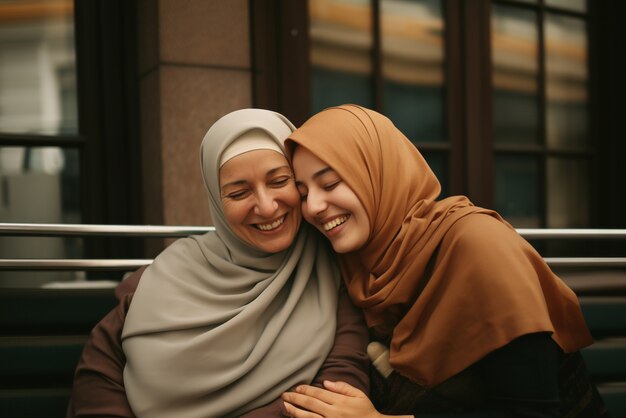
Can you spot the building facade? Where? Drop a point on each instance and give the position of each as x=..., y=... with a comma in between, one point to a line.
x=104, y=103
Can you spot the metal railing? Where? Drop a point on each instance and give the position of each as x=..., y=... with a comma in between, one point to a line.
x=88, y=230
x=30, y=229
x=146, y=231
x=593, y=234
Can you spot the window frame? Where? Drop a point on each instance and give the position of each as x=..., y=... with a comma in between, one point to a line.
x=107, y=136
x=281, y=83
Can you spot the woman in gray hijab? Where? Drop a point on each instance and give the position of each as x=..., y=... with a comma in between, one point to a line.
x=221, y=324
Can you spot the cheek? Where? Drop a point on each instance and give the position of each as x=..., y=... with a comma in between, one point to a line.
x=365, y=223
x=291, y=197
x=305, y=213
x=234, y=212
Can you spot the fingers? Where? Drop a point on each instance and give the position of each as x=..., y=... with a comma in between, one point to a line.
x=307, y=401
x=320, y=394
x=379, y=354
x=341, y=400
x=292, y=411
x=375, y=350
x=343, y=388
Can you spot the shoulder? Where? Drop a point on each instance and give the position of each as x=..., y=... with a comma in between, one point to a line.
x=181, y=245
x=129, y=284
x=183, y=251
x=483, y=240
x=480, y=231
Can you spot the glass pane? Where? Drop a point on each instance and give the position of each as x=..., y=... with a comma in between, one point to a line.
x=341, y=44
x=566, y=83
x=574, y=5
x=330, y=88
x=38, y=185
x=412, y=66
x=517, y=190
x=514, y=45
x=568, y=193
x=38, y=68
x=438, y=162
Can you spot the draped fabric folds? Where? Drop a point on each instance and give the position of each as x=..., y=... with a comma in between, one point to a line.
x=217, y=328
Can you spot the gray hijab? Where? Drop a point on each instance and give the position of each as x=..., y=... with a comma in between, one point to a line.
x=216, y=327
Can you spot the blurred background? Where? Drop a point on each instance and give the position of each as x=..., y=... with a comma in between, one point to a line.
x=104, y=103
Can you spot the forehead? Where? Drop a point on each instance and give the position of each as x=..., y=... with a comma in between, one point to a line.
x=252, y=165
x=305, y=163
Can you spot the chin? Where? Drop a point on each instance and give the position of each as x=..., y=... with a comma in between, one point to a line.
x=345, y=245
x=279, y=243
x=340, y=249
x=277, y=247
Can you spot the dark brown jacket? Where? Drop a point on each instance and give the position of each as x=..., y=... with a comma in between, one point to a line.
x=98, y=389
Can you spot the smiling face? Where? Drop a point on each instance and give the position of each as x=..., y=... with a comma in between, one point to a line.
x=329, y=204
x=260, y=200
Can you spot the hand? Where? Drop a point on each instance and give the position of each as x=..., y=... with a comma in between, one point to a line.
x=339, y=400
x=379, y=355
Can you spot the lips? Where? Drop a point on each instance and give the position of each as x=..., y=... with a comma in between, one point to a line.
x=272, y=225
x=328, y=226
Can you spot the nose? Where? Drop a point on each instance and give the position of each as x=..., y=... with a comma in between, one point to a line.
x=315, y=204
x=266, y=204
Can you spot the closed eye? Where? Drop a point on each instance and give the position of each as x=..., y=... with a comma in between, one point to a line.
x=280, y=181
x=330, y=186
x=238, y=195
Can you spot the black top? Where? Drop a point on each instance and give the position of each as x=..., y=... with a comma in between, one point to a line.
x=529, y=377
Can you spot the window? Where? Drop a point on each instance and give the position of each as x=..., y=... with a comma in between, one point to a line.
x=540, y=112
x=494, y=93
x=39, y=144
x=386, y=55
x=66, y=125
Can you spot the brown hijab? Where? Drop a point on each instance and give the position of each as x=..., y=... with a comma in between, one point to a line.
x=445, y=281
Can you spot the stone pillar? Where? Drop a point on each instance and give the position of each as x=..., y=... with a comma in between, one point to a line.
x=194, y=67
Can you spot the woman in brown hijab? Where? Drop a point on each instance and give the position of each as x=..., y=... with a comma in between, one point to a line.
x=475, y=321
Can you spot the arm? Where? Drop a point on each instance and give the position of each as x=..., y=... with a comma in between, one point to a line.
x=347, y=360
x=98, y=389
x=520, y=380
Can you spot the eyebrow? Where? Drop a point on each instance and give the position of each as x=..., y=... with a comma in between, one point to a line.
x=269, y=173
x=322, y=172
x=316, y=175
